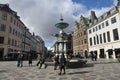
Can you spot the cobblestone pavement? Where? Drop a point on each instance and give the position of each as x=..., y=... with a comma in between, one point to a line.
x=97, y=70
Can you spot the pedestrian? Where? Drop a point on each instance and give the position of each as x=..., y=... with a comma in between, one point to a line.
x=39, y=60
x=20, y=60
x=95, y=56
x=42, y=62
x=56, y=59
x=62, y=63
x=92, y=56
x=30, y=59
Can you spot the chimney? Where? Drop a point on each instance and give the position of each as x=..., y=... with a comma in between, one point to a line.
x=93, y=16
x=118, y=2
x=7, y=4
x=33, y=34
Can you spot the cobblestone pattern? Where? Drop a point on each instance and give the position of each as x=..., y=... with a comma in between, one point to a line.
x=98, y=70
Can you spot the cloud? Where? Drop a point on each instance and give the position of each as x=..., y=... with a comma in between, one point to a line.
x=40, y=16
x=114, y=2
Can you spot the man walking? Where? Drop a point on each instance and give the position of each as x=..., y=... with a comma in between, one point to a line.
x=20, y=60
x=42, y=62
x=62, y=63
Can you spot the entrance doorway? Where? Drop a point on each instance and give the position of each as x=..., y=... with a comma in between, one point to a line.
x=117, y=52
x=110, y=53
x=1, y=52
x=86, y=54
x=102, y=53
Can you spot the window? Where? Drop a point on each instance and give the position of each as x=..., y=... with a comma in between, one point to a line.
x=1, y=40
x=94, y=40
x=100, y=38
x=115, y=34
x=104, y=37
x=90, y=41
x=9, y=41
x=96, y=28
x=13, y=31
x=93, y=29
x=89, y=31
x=4, y=16
x=108, y=13
x=113, y=20
x=108, y=36
x=85, y=41
x=16, y=33
x=11, y=19
x=84, y=32
x=107, y=24
x=102, y=25
x=97, y=40
x=82, y=41
x=12, y=42
x=15, y=43
x=99, y=26
x=2, y=27
x=10, y=30
x=14, y=21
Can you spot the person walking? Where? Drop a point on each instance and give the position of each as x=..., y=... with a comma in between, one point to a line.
x=39, y=60
x=95, y=56
x=30, y=59
x=56, y=59
x=62, y=63
x=42, y=62
x=20, y=60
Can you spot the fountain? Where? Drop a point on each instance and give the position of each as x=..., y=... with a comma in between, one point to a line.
x=61, y=43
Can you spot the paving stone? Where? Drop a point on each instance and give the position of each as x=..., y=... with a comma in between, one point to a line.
x=102, y=70
x=73, y=78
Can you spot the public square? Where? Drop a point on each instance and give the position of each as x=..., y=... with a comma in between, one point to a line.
x=93, y=70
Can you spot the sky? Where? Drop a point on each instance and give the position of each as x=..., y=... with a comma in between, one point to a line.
x=40, y=16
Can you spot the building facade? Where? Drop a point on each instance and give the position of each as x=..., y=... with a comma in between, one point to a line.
x=14, y=35
x=80, y=43
x=104, y=35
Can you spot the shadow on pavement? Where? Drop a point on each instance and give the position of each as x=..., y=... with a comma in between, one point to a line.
x=83, y=66
x=3, y=71
x=106, y=62
x=81, y=72
x=29, y=66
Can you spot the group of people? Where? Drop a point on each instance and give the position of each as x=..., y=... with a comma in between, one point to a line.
x=59, y=60
x=20, y=60
x=93, y=56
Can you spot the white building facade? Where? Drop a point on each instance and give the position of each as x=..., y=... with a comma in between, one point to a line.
x=104, y=34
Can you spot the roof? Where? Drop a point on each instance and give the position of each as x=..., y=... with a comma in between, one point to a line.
x=78, y=24
x=86, y=20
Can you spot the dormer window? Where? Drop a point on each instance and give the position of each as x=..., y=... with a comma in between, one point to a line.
x=113, y=20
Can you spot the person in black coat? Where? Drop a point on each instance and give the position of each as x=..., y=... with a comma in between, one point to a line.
x=42, y=62
x=62, y=63
x=30, y=59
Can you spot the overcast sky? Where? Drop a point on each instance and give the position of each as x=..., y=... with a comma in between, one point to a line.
x=40, y=16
